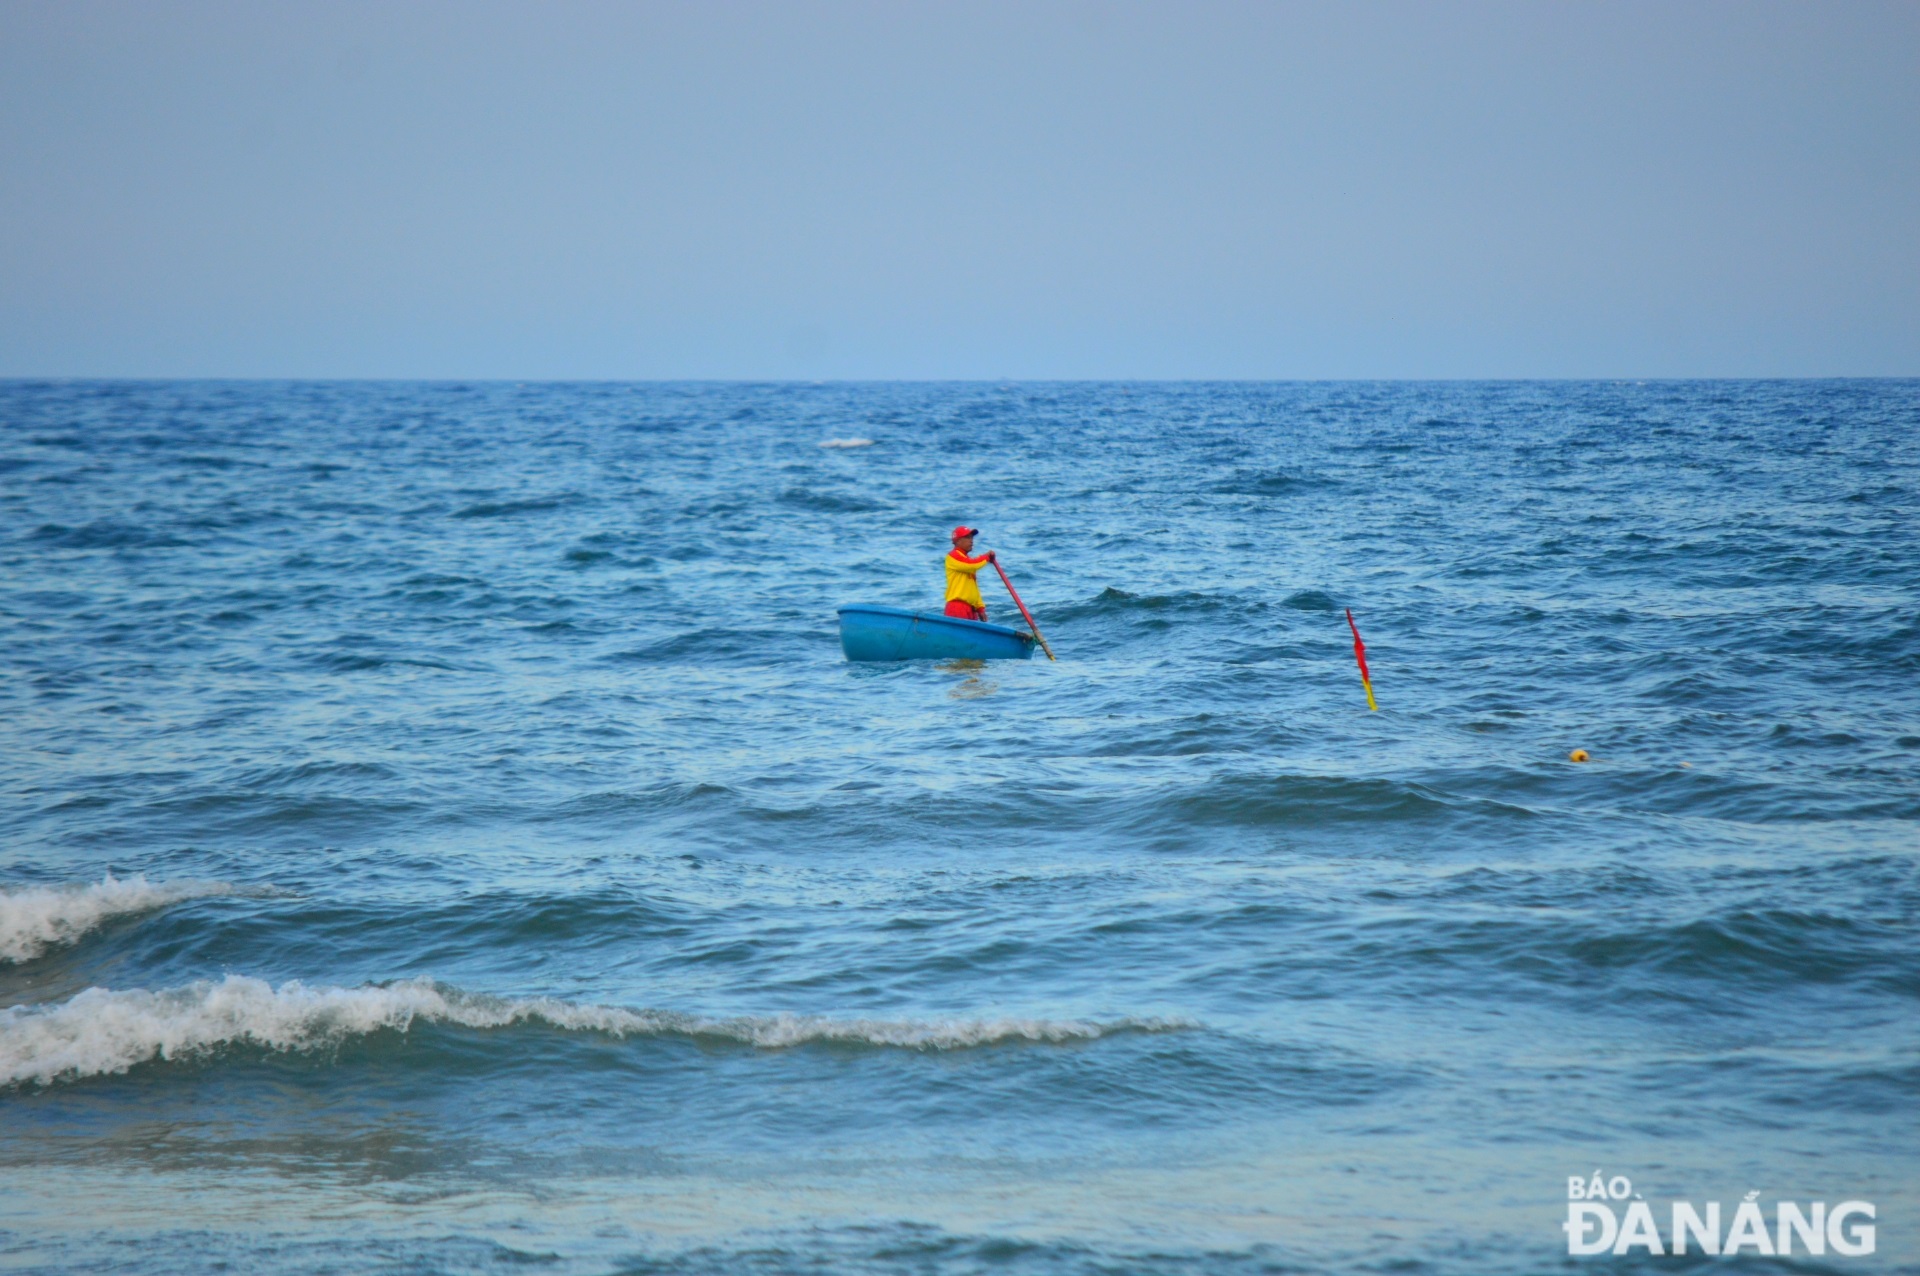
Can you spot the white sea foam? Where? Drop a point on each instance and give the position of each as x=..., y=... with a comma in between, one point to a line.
x=101, y=1031
x=36, y=918
x=846, y=442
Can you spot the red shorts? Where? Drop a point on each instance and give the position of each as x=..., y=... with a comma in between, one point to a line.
x=964, y=610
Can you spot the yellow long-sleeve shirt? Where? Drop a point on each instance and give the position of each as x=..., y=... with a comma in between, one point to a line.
x=962, y=578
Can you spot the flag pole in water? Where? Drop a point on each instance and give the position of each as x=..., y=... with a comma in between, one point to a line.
x=1360, y=654
x=1023, y=609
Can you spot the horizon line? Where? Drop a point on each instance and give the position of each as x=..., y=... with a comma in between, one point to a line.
x=1615, y=379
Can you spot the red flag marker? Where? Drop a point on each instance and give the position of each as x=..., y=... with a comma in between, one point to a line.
x=1360, y=654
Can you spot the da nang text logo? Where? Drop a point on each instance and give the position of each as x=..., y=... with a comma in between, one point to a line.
x=1606, y=1216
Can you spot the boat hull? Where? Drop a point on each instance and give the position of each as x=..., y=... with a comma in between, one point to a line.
x=894, y=633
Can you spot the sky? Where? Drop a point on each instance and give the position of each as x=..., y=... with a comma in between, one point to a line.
x=1040, y=189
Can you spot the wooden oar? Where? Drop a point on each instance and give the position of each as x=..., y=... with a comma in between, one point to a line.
x=1023, y=609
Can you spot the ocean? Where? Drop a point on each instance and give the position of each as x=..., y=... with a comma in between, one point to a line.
x=442, y=833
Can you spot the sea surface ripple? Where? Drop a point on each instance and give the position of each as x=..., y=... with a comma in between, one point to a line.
x=442, y=832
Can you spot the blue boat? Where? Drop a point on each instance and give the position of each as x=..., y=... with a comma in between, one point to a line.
x=868, y=632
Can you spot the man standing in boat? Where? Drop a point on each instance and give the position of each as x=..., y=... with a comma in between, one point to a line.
x=963, y=571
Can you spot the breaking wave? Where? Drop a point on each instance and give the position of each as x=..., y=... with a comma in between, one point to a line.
x=101, y=1031
x=36, y=918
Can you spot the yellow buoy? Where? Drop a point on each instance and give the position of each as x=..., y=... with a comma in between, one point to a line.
x=1578, y=755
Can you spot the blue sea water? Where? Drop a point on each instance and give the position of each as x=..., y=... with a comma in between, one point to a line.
x=442, y=833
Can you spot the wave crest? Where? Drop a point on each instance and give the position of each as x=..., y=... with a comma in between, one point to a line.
x=36, y=918
x=101, y=1031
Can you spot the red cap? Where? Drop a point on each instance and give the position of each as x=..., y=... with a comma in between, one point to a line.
x=958, y=532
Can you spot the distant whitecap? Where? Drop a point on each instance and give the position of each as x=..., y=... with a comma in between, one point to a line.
x=36, y=918
x=846, y=442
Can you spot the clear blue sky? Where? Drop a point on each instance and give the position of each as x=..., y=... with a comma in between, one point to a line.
x=1031, y=189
